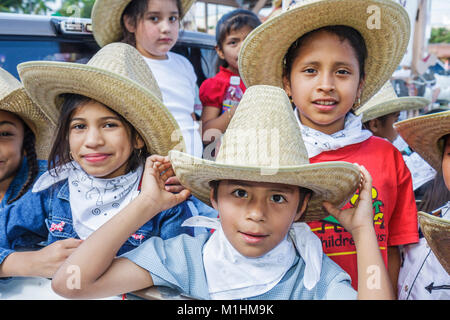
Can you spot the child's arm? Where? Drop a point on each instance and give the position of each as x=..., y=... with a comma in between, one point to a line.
x=373, y=278
x=100, y=274
x=214, y=123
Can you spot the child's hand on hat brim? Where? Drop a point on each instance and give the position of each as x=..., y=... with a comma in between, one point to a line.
x=360, y=217
x=157, y=171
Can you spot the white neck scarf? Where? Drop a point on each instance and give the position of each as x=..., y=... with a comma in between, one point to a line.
x=317, y=142
x=93, y=201
x=230, y=275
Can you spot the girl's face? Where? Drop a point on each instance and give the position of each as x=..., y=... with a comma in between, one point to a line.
x=99, y=141
x=256, y=216
x=324, y=82
x=157, y=32
x=446, y=164
x=11, y=142
x=231, y=46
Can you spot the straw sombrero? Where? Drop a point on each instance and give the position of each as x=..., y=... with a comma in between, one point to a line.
x=116, y=76
x=262, y=53
x=386, y=101
x=263, y=143
x=107, y=14
x=13, y=98
x=437, y=233
x=423, y=135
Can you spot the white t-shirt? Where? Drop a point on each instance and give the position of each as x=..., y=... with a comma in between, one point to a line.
x=177, y=80
x=421, y=276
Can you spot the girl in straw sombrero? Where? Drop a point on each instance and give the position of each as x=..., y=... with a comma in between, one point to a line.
x=379, y=115
x=425, y=271
x=259, y=250
x=331, y=56
x=152, y=27
x=109, y=118
x=24, y=132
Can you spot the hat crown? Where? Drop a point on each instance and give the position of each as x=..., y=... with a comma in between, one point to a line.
x=386, y=93
x=124, y=60
x=269, y=138
x=8, y=84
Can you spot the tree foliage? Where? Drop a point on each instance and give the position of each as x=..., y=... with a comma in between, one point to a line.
x=440, y=35
x=25, y=6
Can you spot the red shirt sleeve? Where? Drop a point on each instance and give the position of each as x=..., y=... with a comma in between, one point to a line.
x=211, y=92
x=403, y=227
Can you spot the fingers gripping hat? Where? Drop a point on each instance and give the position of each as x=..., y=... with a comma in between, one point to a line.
x=386, y=101
x=437, y=233
x=118, y=77
x=106, y=19
x=263, y=143
x=14, y=98
x=423, y=135
x=383, y=24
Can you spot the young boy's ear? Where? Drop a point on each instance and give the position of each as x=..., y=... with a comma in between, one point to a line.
x=212, y=199
x=303, y=207
x=220, y=53
x=374, y=125
x=287, y=86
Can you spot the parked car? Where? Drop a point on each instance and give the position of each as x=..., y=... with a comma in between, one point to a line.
x=32, y=37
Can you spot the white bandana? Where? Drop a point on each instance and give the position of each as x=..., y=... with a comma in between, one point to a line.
x=230, y=275
x=93, y=201
x=317, y=142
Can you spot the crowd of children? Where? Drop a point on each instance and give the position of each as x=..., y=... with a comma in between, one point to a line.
x=308, y=195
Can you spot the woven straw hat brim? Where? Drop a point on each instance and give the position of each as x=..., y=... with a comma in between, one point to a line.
x=106, y=16
x=19, y=103
x=262, y=53
x=423, y=133
x=437, y=233
x=335, y=181
x=46, y=81
x=391, y=106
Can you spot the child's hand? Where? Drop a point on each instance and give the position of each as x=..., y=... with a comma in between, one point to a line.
x=157, y=171
x=361, y=216
x=174, y=185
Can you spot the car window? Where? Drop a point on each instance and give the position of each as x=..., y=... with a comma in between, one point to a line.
x=13, y=52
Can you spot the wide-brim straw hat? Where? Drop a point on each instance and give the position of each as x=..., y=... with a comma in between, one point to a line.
x=386, y=102
x=106, y=17
x=261, y=56
x=263, y=143
x=423, y=135
x=118, y=77
x=14, y=99
x=437, y=233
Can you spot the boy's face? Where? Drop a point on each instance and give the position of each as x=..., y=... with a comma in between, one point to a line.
x=256, y=216
x=324, y=82
x=11, y=142
x=385, y=128
x=99, y=141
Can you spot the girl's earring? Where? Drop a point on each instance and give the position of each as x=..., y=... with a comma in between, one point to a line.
x=357, y=104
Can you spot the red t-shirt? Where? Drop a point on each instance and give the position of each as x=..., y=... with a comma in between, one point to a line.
x=394, y=206
x=212, y=90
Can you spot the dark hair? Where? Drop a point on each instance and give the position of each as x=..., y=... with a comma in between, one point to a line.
x=343, y=32
x=28, y=147
x=303, y=193
x=136, y=10
x=233, y=21
x=437, y=193
x=60, y=152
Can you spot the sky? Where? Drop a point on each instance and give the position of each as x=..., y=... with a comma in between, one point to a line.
x=439, y=16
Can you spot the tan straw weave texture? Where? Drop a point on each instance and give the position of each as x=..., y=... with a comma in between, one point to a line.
x=263, y=143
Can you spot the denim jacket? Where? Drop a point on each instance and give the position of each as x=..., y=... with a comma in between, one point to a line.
x=19, y=180
x=46, y=216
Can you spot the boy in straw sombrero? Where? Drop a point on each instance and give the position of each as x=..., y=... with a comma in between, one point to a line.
x=109, y=118
x=152, y=27
x=259, y=250
x=425, y=271
x=24, y=132
x=332, y=56
x=379, y=115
